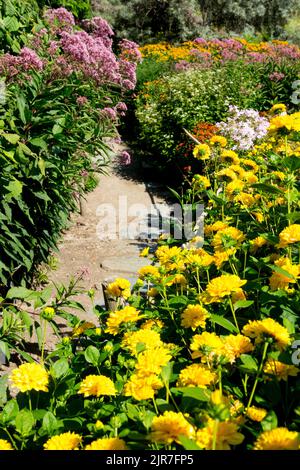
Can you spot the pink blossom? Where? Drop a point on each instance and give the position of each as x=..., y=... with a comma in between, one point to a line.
x=125, y=158
x=276, y=76
x=109, y=113
x=59, y=19
x=81, y=100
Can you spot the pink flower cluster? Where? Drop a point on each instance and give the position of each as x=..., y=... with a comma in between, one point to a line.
x=27, y=60
x=59, y=19
x=99, y=28
x=276, y=76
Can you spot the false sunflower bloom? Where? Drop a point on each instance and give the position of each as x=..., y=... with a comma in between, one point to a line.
x=107, y=443
x=119, y=288
x=194, y=316
x=278, y=439
x=126, y=315
x=5, y=445
x=260, y=329
x=30, y=376
x=66, y=441
x=280, y=370
x=150, y=339
x=289, y=236
x=168, y=427
x=223, y=286
x=202, y=152
x=224, y=433
x=196, y=375
x=256, y=414
x=142, y=387
x=97, y=385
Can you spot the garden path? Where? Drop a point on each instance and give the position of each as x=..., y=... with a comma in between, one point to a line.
x=102, y=259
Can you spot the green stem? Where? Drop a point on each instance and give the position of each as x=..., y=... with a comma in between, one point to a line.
x=214, y=444
x=11, y=438
x=233, y=314
x=258, y=374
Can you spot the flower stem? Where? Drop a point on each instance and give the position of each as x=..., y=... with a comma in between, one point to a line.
x=258, y=374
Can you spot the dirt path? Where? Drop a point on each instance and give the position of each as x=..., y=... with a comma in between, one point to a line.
x=87, y=245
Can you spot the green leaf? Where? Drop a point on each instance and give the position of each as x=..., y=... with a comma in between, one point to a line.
x=15, y=188
x=279, y=270
x=267, y=188
x=166, y=372
x=188, y=444
x=21, y=103
x=60, y=368
x=9, y=412
x=223, y=322
x=270, y=421
x=3, y=389
x=197, y=393
x=4, y=349
x=24, y=422
x=39, y=142
x=92, y=355
x=242, y=304
x=18, y=293
x=11, y=138
x=50, y=423
x=248, y=362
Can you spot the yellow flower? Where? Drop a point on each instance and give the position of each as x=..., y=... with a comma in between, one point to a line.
x=48, y=313
x=171, y=258
x=279, y=369
x=227, y=173
x=256, y=414
x=223, y=286
x=250, y=177
x=196, y=375
x=234, y=187
x=119, y=288
x=220, y=257
x=218, y=139
x=107, y=443
x=278, y=439
x=99, y=424
x=238, y=170
x=259, y=216
x=66, y=441
x=97, y=385
x=194, y=316
x=126, y=315
x=142, y=387
x=245, y=199
x=152, y=360
x=259, y=329
x=224, y=433
x=215, y=227
x=280, y=280
x=248, y=163
x=145, y=252
x=238, y=295
x=235, y=345
x=5, y=445
x=199, y=258
x=148, y=271
x=208, y=346
x=278, y=174
x=30, y=377
x=230, y=156
x=200, y=182
x=81, y=328
x=149, y=338
x=289, y=235
x=168, y=427
x=226, y=235
x=257, y=243
x=152, y=324
x=152, y=292
x=202, y=152
x=278, y=107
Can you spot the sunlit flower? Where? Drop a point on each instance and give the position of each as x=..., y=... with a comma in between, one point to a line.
x=208, y=346
x=235, y=345
x=142, y=387
x=280, y=370
x=288, y=274
x=223, y=286
x=148, y=271
x=152, y=360
x=260, y=329
x=119, y=288
x=168, y=427
x=147, y=338
x=5, y=445
x=126, y=315
x=194, y=316
x=230, y=156
x=219, y=140
x=202, y=152
x=256, y=414
x=107, y=443
x=30, y=376
x=228, y=234
x=66, y=441
x=278, y=439
x=223, y=433
x=97, y=385
x=196, y=375
x=289, y=235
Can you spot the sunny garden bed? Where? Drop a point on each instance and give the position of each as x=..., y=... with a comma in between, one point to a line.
x=207, y=359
